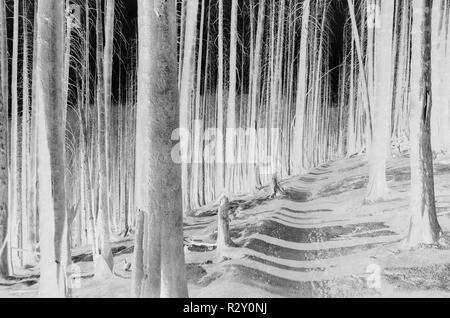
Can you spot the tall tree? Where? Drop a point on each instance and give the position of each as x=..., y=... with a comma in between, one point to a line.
x=231, y=111
x=26, y=209
x=108, y=63
x=220, y=149
x=255, y=95
x=14, y=201
x=186, y=89
x=424, y=225
x=378, y=188
x=302, y=89
x=4, y=249
x=158, y=183
x=51, y=145
x=106, y=259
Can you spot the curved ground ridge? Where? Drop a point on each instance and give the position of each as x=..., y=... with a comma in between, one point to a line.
x=320, y=233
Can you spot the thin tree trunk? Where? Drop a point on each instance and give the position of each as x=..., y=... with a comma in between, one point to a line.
x=26, y=230
x=220, y=150
x=256, y=96
x=231, y=111
x=107, y=69
x=14, y=217
x=302, y=89
x=187, y=86
x=4, y=248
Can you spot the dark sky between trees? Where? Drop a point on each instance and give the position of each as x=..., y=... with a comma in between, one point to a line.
x=337, y=13
x=127, y=25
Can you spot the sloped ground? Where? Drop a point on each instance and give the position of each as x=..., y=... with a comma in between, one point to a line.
x=322, y=241
x=318, y=241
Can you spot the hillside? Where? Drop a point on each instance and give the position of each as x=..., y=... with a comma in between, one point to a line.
x=318, y=241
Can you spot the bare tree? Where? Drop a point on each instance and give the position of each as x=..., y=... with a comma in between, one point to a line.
x=378, y=188
x=4, y=249
x=302, y=89
x=51, y=145
x=158, y=183
x=186, y=89
x=424, y=225
x=106, y=261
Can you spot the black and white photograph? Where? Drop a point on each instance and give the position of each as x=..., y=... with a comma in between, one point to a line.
x=224, y=149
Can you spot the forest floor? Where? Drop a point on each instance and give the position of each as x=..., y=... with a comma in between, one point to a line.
x=319, y=240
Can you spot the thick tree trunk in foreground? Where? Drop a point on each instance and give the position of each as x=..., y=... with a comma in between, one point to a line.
x=378, y=188
x=424, y=226
x=158, y=183
x=51, y=147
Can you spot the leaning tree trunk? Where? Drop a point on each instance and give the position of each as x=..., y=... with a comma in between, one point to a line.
x=158, y=183
x=424, y=225
x=4, y=249
x=51, y=146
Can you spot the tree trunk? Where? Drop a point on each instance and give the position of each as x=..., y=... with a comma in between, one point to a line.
x=138, y=264
x=302, y=89
x=106, y=260
x=107, y=69
x=4, y=248
x=51, y=154
x=26, y=209
x=378, y=188
x=231, y=112
x=424, y=225
x=158, y=181
x=223, y=227
x=220, y=151
x=14, y=201
x=187, y=86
